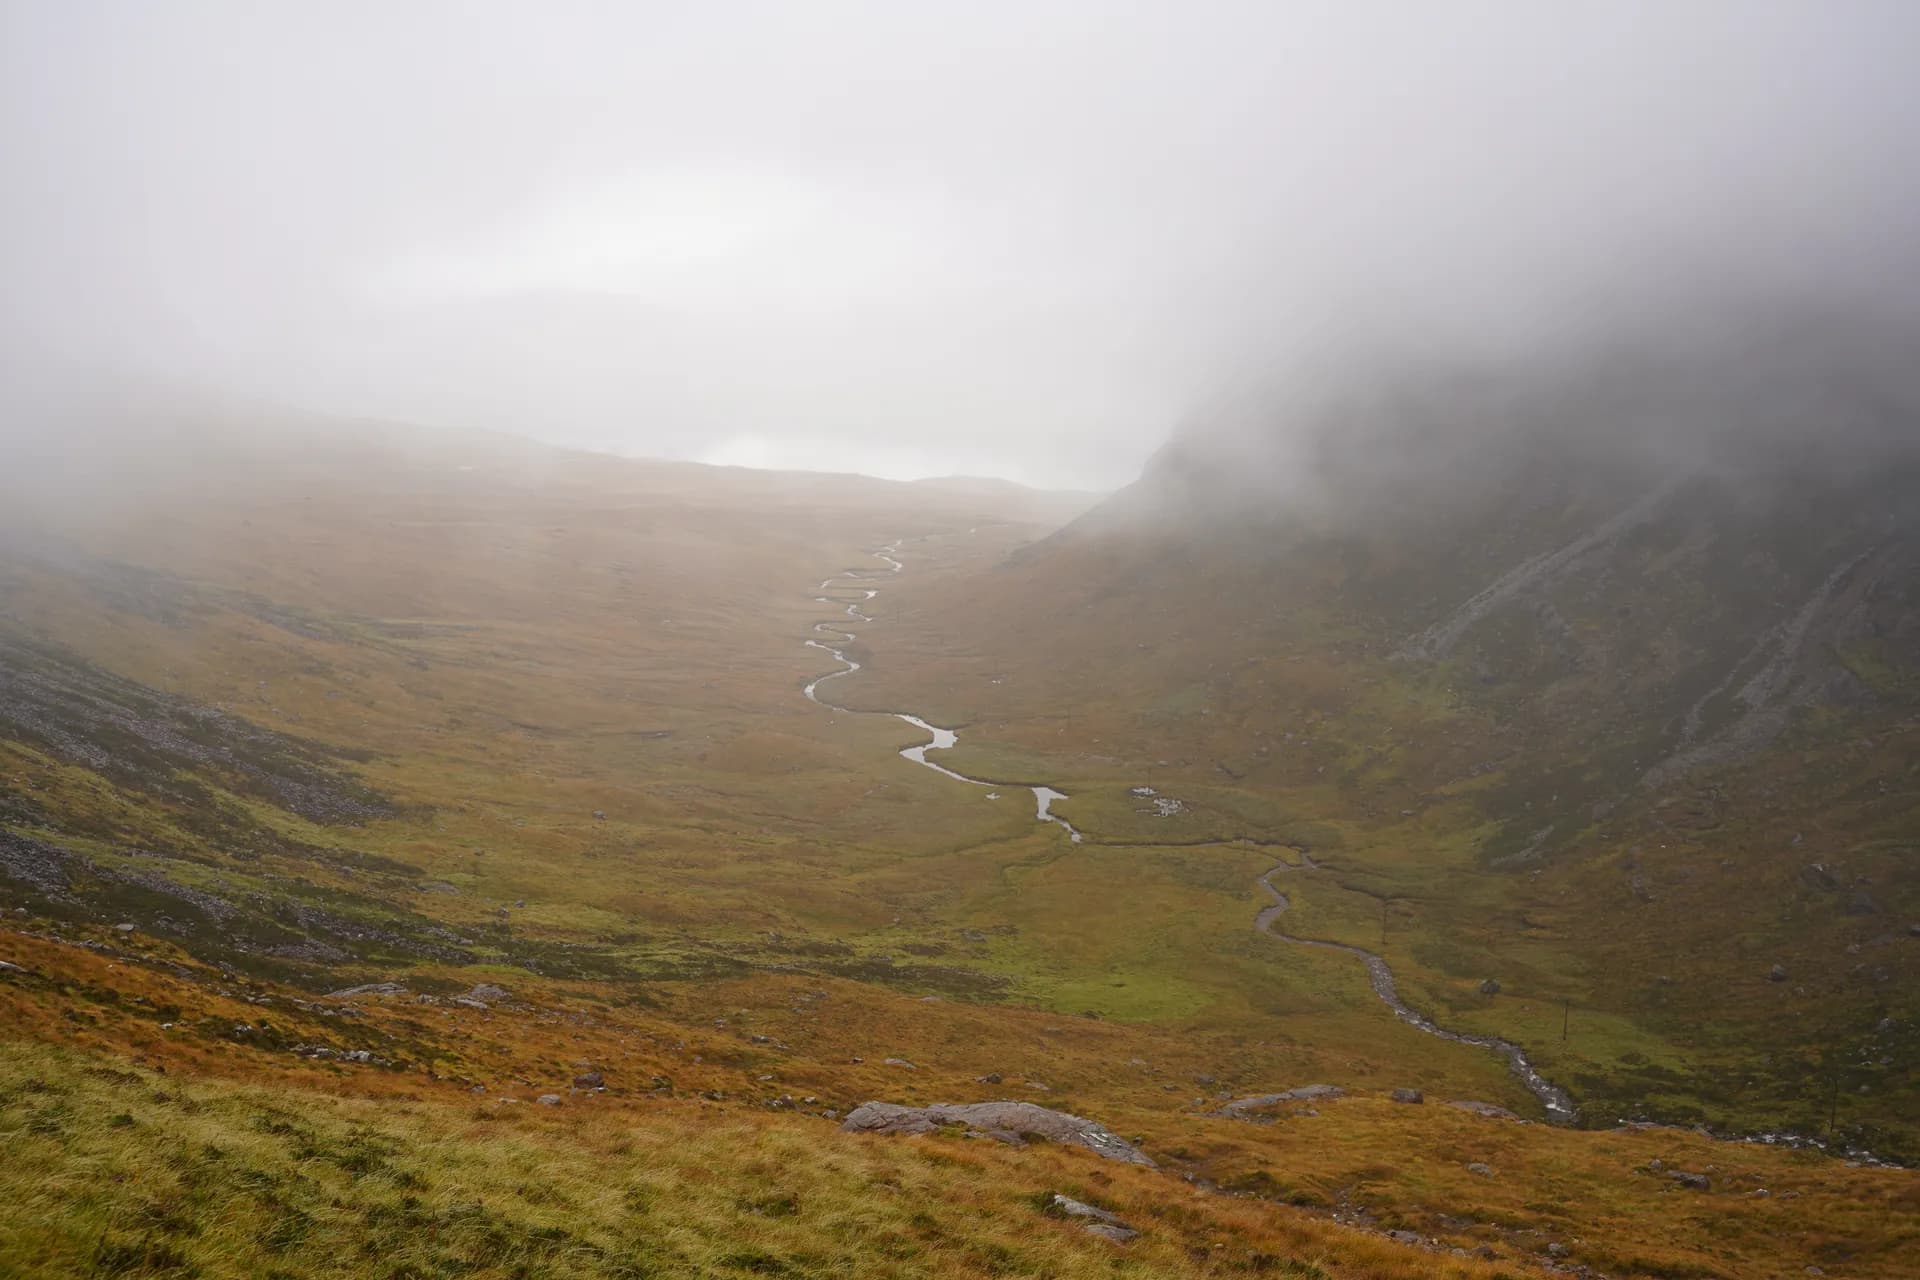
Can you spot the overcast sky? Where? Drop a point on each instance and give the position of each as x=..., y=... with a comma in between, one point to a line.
x=907, y=238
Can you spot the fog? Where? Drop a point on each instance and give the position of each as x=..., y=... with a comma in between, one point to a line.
x=1023, y=240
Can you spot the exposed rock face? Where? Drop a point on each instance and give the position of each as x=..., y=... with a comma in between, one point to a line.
x=1244, y=1108
x=1007, y=1121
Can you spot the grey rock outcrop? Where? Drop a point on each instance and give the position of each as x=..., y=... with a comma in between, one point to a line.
x=1244, y=1108
x=1098, y=1221
x=1007, y=1121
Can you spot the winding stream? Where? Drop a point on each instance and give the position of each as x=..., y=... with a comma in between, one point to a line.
x=1559, y=1104
x=941, y=739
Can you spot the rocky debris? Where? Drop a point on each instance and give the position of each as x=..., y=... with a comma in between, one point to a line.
x=1098, y=1221
x=1777, y=974
x=1006, y=1121
x=1489, y=988
x=323, y=1053
x=589, y=1080
x=1691, y=1181
x=1485, y=1109
x=1243, y=1108
x=141, y=737
x=1408, y=1095
x=484, y=993
x=548, y=1099
x=368, y=989
x=1479, y=1170
x=1557, y=1250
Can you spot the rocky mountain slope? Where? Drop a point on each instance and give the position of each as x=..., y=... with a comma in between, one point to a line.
x=1601, y=678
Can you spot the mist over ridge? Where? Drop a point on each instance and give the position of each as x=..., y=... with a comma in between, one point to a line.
x=914, y=241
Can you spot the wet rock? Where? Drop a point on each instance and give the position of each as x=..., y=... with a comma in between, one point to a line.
x=1485, y=1109
x=1019, y=1119
x=1244, y=1108
x=1777, y=974
x=1408, y=1095
x=1489, y=988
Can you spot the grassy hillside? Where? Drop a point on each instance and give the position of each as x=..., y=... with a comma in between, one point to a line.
x=353, y=798
x=1621, y=749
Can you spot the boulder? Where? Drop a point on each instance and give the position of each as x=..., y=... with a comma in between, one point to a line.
x=1777, y=974
x=1408, y=1095
x=1479, y=1170
x=1489, y=988
x=589, y=1080
x=1012, y=1121
x=548, y=1099
x=1691, y=1181
x=1109, y=1231
x=1067, y=1206
x=487, y=992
